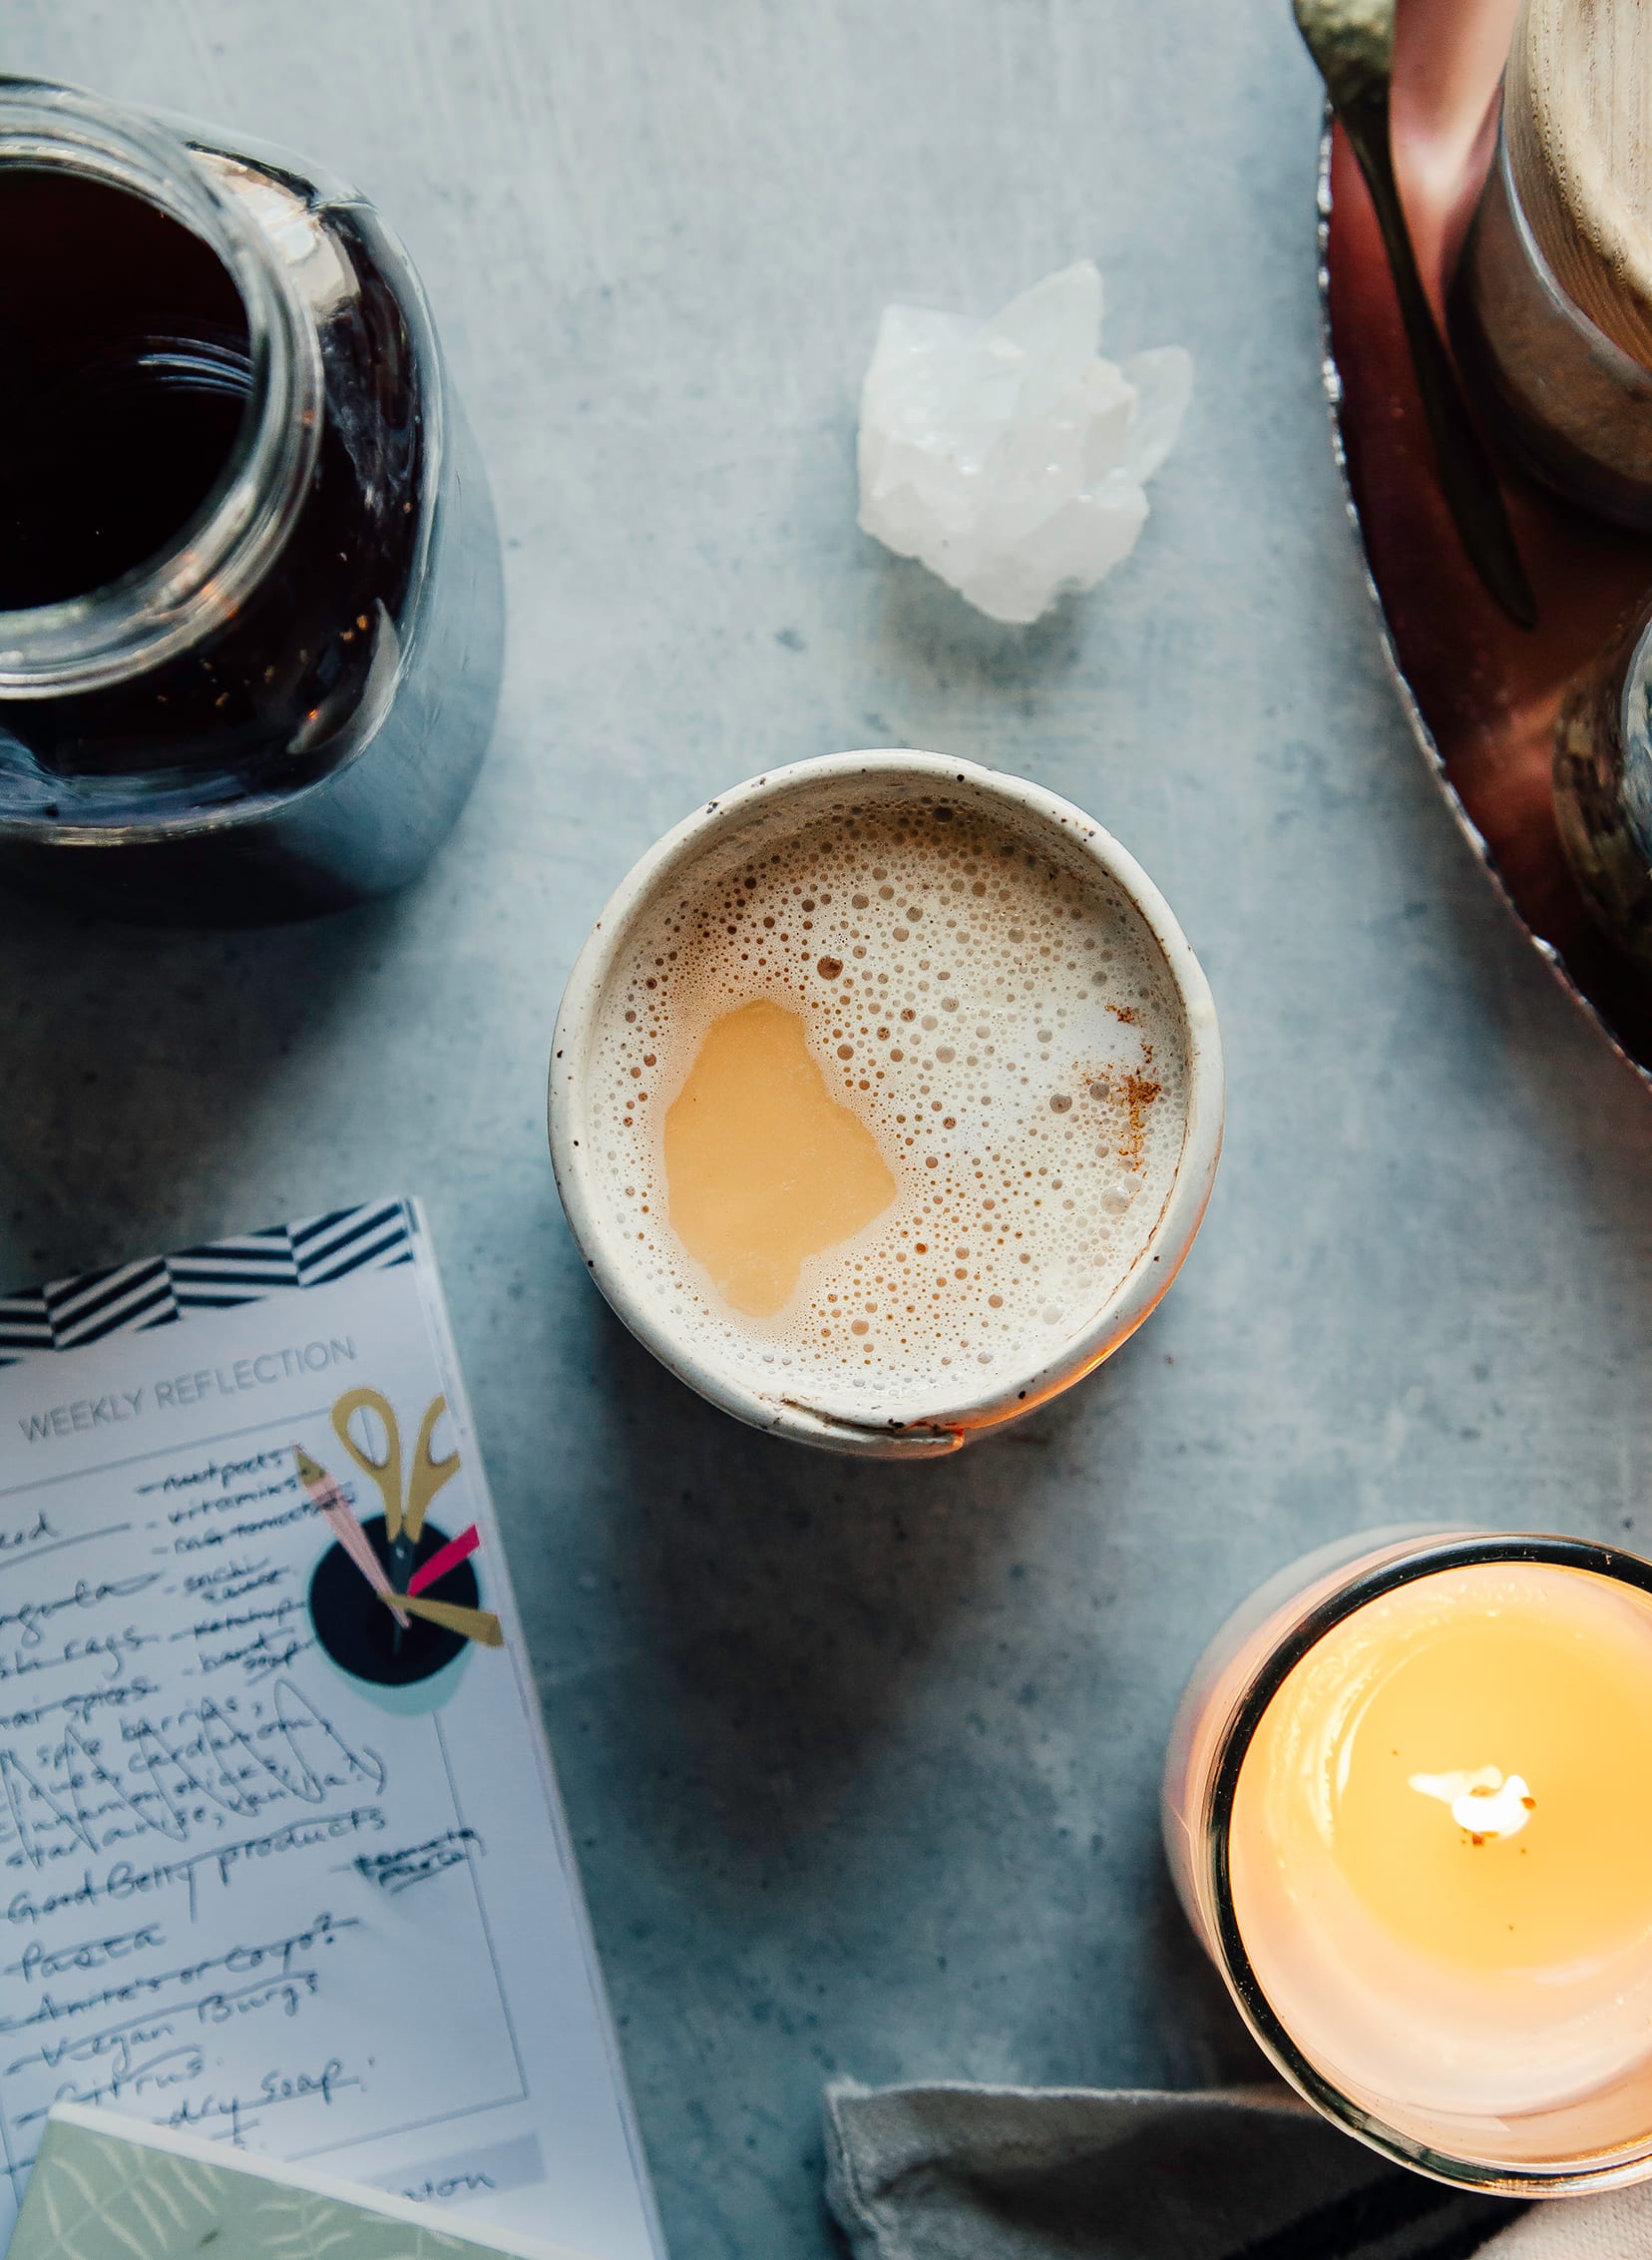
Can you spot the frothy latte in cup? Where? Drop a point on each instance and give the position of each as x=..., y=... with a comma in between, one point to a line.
x=886, y=1100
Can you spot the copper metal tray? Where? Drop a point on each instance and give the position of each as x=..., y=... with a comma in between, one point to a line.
x=1481, y=694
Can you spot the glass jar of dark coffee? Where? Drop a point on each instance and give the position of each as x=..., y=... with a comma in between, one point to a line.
x=250, y=601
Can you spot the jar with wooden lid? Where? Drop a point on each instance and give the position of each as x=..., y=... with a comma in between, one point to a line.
x=1551, y=308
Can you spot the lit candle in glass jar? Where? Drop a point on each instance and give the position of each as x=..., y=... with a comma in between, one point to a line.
x=1408, y=1808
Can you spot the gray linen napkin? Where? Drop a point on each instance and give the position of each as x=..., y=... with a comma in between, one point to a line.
x=953, y=2173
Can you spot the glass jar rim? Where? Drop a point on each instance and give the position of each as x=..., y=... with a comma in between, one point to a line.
x=167, y=602
x=1425, y=1558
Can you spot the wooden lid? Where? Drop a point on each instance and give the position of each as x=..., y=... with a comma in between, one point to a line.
x=1577, y=113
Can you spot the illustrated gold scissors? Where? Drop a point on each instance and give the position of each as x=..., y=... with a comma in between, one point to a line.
x=405, y=1504
x=407, y=1494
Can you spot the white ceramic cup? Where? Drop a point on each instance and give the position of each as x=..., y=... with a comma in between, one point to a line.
x=777, y=803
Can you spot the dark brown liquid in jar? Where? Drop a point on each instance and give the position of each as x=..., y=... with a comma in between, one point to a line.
x=311, y=739
x=153, y=323
x=125, y=376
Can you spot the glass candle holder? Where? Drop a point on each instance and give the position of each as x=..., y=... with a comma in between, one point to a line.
x=1551, y=314
x=1406, y=1811
x=1565, y=397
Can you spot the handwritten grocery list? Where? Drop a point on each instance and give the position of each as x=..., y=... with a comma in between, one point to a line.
x=277, y=1865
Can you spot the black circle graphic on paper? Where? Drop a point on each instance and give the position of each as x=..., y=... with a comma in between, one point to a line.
x=359, y=1633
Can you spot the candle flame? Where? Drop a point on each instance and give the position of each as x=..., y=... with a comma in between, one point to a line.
x=1485, y=1801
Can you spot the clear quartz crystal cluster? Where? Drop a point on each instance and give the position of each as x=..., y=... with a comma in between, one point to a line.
x=1006, y=454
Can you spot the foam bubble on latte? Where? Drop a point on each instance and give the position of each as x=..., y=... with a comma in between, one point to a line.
x=997, y=1014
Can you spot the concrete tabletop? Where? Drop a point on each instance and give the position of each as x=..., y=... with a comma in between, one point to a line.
x=862, y=1763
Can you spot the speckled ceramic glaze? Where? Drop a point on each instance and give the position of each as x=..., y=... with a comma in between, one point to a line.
x=792, y=795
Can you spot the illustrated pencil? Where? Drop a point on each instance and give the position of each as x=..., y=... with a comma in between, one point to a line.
x=334, y=1508
x=445, y=1557
x=473, y=1623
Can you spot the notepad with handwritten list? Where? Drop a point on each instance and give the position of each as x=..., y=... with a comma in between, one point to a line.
x=282, y=1864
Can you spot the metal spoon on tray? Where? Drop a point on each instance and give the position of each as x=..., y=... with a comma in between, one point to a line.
x=1352, y=42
